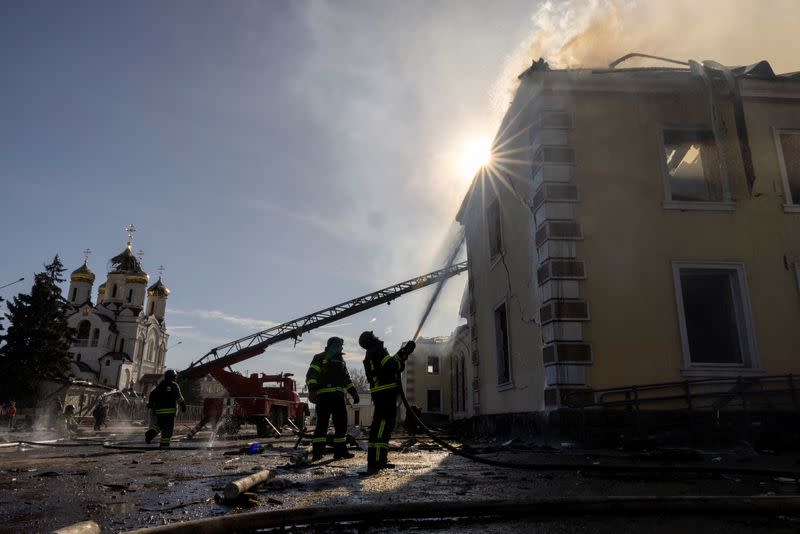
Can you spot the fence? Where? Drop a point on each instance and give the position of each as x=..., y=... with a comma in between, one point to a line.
x=734, y=408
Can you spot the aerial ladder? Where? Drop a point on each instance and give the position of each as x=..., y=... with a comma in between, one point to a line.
x=270, y=401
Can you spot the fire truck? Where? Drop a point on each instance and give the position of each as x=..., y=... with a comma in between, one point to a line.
x=271, y=401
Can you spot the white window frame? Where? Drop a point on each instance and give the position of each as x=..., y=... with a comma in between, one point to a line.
x=438, y=366
x=427, y=398
x=726, y=204
x=788, y=205
x=750, y=365
x=501, y=386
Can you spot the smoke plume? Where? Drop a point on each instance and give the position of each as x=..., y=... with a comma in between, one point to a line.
x=592, y=33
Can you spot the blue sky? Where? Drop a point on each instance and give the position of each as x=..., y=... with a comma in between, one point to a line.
x=276, y=157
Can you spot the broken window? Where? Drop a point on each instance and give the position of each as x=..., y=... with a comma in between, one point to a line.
x=789, y=143
x=692, y=166
x=495, y=229
x=501, y=340
x=434, y=400
x=433, y=365
x=715, y=315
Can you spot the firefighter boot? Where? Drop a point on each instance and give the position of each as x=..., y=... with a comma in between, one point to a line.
x=340, y=450
x=150, y=435
x=317, y=448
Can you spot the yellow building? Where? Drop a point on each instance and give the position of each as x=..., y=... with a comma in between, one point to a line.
x=635, y=226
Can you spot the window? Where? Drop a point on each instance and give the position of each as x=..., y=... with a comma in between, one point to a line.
x=495, y=229
x=114, y=291
x=356, y=417
x=74, y=293
x=555, y=119
x=108, y=362
x=434, y=400
x=83, y=331
x=95, y=336
x=692, y=167
x=501, y=340
x=152, y=305
x=715, y=319
x=122, y=345
x=433, y=365
x=788, y=142
x=78, y=358
x=130, y=295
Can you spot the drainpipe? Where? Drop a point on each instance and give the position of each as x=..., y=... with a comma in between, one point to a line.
x=698, y=70
x=738, y=115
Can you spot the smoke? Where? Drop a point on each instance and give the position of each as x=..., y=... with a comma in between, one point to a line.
x=592, y=33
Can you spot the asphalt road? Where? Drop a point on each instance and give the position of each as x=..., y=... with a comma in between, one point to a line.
x=48, y=487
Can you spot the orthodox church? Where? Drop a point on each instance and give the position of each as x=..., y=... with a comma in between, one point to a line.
x=120, y=341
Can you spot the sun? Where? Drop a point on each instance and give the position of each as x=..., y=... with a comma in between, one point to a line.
x=476, y=153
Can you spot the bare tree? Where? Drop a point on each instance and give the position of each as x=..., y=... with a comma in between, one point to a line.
x=359, y=380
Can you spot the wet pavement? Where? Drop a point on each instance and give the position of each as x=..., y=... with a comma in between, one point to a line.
x=125, y=485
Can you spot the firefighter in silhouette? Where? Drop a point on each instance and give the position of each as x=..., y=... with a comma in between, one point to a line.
x=383, y=372
x=328, y=381
x=100, y=413
x=164, y=401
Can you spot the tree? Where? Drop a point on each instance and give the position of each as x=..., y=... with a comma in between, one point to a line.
x=191, y=390
x=36, y=343
x=359, y=380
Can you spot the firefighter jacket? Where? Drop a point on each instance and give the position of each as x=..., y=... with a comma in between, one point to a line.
x=164, y=399
x=382, y=370
x=328, y=374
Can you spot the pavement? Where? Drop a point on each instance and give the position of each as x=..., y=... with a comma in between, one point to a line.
x=111, y=477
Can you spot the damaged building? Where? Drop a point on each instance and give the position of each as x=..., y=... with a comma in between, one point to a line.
x=636, y=226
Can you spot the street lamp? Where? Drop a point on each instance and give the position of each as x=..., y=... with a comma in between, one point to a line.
x=12, y=283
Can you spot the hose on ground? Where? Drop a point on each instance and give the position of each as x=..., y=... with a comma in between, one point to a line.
x=598, y=467
x=539, y=508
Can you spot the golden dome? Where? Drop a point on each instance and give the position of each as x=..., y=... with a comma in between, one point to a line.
x=158, y=289
x=82, y=274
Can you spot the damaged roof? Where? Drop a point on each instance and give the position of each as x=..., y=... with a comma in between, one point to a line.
x=761, y=70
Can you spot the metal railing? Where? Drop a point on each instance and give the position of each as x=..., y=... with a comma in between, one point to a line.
x=734, y=401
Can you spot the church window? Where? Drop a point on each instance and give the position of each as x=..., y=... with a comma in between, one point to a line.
x=108, y=362
x=122, y=345
x=82, y=339
x=74, y=293
x=95, y=337
x=114, y=291
x=108, y=341
x=130, y=295
x=152, y=305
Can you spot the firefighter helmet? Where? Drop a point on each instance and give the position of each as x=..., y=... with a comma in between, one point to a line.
x=170, y=374
x=366, y=339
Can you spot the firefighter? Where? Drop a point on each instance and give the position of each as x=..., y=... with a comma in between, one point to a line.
x=11, y=411
x=383, y=373
x=328, y=380
x=100, y=413
x=164, y=401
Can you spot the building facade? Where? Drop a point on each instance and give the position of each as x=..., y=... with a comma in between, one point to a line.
x=121, y=340
x=427, y=376
x=636, y=226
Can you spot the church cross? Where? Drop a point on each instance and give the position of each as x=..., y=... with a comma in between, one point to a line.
x=86, y=255
x=130, y=229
